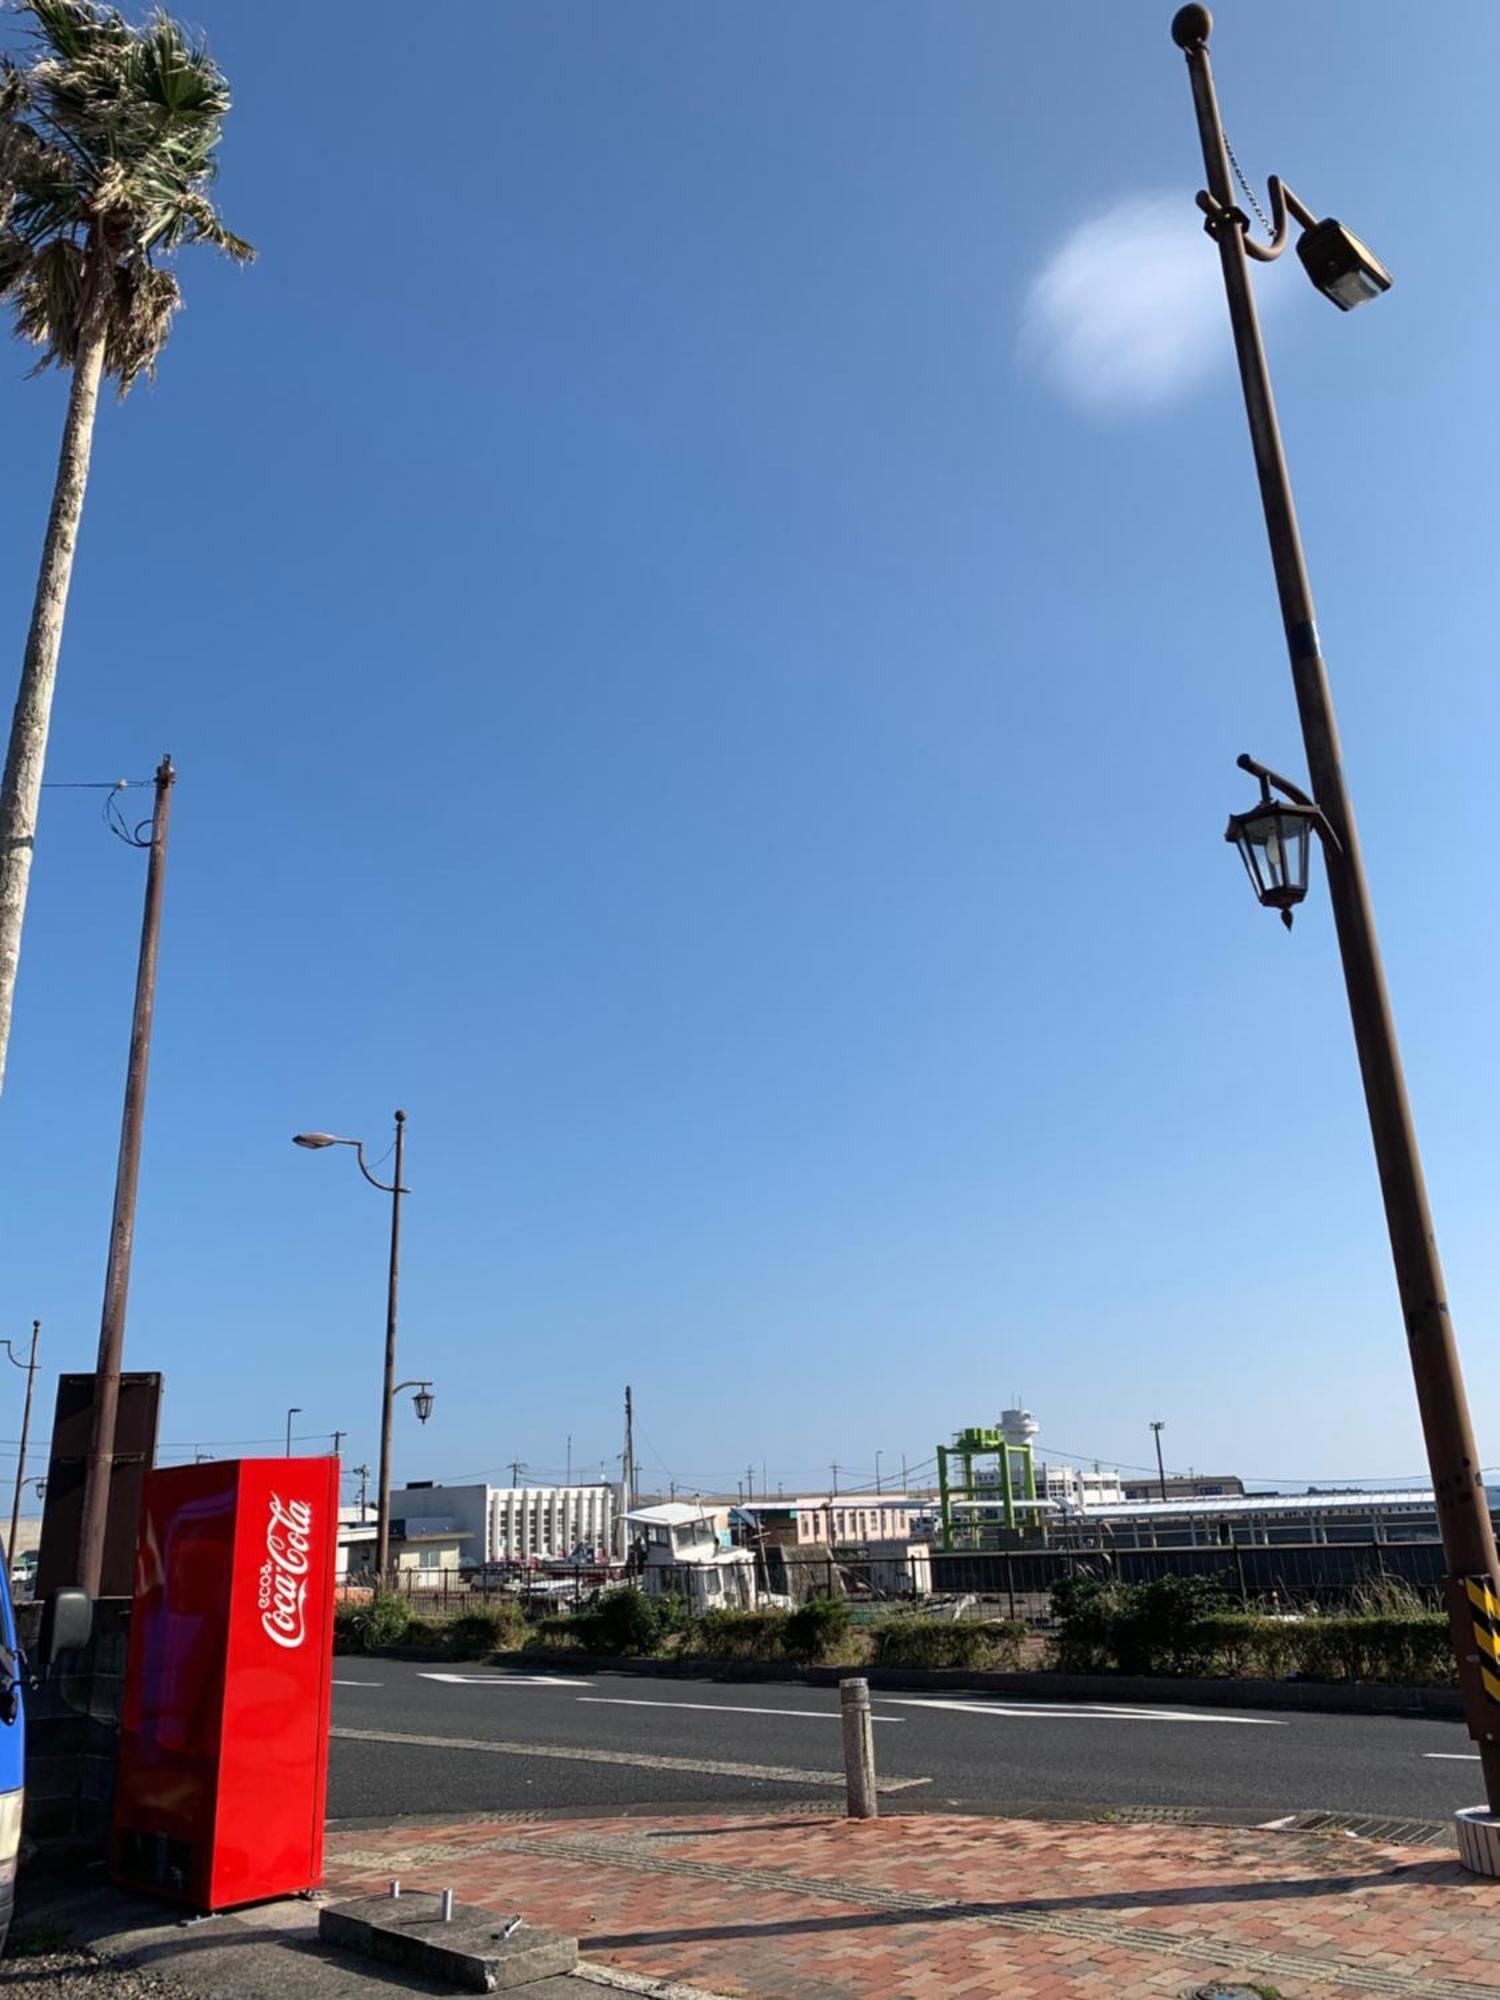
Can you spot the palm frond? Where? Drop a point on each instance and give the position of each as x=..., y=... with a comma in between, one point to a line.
x=145, y=302
x=49, y=302
x=107, y=151
x=15, y=260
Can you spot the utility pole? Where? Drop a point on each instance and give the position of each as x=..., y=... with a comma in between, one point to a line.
x=569, y=1479
x=750, y=1482
x=627, y=1471
x=362, y=1473
x=1157, y=1427
x=878, y=1456
x=903, y=1472
x=122, y=1222
x=517, y=1467
x=833, y=1492
x=289, y=1415
x=30, y=1367
x=338, y=1441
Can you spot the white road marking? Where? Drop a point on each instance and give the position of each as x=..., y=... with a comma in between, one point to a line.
x=1079, y=1712
x=504, y=1680
x=726, y=1708
x=1452, y=1756
x=779, y=1774
x=359, y=1684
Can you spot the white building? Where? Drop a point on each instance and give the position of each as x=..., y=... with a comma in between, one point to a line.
x=551, y=1523
x=512, y=1523
x=425, y=1507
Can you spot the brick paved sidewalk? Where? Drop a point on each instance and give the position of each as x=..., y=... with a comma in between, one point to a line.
x=799, y=1908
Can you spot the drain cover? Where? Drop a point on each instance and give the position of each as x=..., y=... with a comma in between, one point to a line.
x=1217, y=1992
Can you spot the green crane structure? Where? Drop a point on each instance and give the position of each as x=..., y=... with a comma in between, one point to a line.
x=978, y=1497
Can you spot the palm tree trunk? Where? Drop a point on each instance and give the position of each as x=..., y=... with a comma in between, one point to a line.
x=21, y=787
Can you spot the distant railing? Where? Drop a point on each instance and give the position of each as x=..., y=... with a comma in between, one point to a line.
x=1002, y=1583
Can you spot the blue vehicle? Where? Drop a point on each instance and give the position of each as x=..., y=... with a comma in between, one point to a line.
x=67, y=1619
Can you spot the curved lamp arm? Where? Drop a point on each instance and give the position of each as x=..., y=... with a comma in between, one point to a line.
x=1295, y=793
x=1283, y=203
x=386, y=1187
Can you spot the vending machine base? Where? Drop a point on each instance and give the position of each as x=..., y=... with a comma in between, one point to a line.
x=223, y=1766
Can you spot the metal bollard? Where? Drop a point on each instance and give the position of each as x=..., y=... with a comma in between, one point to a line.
x=447, y=1906
x=395, y=1889
x=859, y=1749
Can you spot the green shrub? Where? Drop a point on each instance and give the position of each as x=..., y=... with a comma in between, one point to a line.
x=1179, y=1625
x=366, y=1628
x=1086, y=1610
x=969, y=1642
x=557, y=1632
x=625, y=1621
x=1136, y=1628
x=489, y=1628
x=1249, y=1646
x=817, y=1629
x=1413, y=1651
x=347, y=1637
x=739, y=1635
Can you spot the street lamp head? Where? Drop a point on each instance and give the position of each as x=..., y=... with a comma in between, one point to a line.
x=422, y=1402
x=1191, y=27
x=313, y=1140
x=1273, y=841
x=1342, y=268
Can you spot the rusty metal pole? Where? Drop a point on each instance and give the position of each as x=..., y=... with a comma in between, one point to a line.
x=122, y=1223
x=15, y=1505
x=388, y=1391
x=1473, y=1589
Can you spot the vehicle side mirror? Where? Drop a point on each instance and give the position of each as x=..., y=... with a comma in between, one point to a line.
x=67, y=1624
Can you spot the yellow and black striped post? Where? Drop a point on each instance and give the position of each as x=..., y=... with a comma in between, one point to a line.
x=1482, y=1603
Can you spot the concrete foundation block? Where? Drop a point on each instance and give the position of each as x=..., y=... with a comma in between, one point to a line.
x=467, y=1951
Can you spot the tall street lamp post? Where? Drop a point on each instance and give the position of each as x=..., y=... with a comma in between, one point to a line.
x=1273, y=840
x=423, y=1400
x=30, y=1366
x=289, y=1415
x=1158, y=1426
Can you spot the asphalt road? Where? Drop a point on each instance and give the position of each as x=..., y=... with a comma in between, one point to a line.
x=413, y=1739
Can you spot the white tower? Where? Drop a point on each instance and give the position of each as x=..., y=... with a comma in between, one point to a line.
x=1018, y=1427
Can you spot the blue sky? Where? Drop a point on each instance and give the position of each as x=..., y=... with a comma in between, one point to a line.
x=706, y=664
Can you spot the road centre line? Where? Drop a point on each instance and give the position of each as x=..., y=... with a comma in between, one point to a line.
x=778, y=1774
x=1078, y=1712
x=726, y=1708
x=359, y=1684
x=1452, y=1756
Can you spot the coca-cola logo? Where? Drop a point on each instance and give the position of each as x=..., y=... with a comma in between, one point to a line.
x=283, y=1575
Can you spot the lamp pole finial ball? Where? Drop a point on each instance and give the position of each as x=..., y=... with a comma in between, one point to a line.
x=1191, y=27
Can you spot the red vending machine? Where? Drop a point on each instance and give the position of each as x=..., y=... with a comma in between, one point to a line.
x=224, y=1750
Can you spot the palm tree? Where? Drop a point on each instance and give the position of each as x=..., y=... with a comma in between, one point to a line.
x=107, y=140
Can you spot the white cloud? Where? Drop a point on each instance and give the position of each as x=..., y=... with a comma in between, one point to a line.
x=1128, y=313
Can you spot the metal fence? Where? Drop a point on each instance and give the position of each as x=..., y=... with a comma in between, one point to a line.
x=1006, y=1583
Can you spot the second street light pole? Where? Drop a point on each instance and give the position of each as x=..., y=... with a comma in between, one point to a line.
x=1473, y=1589
x=100, y=1461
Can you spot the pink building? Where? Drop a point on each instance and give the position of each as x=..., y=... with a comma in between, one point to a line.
x=846, y=1518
